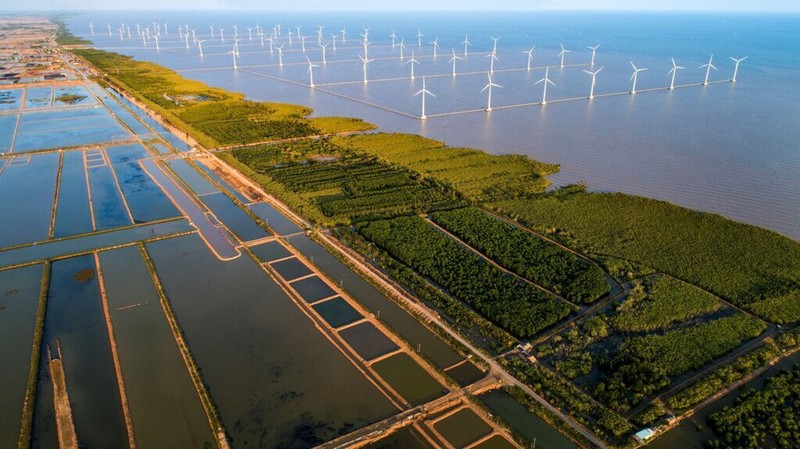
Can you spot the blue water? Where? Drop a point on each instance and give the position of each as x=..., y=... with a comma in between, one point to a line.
x=725, y=148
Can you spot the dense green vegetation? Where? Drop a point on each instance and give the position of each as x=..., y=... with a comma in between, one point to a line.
x=529, y=256
x=604, y=422
x=334, y=185
x=643, y=365
x=63, y=36
x=723, y=377
x=474, y=173
x=749, y=266
x=657, y=302
x=764, y=418
x=515, y=305
x=213, y=116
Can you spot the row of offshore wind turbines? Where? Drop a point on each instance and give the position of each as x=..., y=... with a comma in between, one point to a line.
x=278, y=38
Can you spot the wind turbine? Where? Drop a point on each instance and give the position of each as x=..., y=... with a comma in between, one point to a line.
x=494, y=48
x=221, y=34
x=186, y=39
x=319, y=34
x=194, y=36
x=402, y=46
x=546, y=81
x=166, y=30
x=489, y=86
x=492, y=58
x=250, y=33
x=530, y=56
x=736, y=69
x=303, y=43
x=466, y=43
x=156, y=39
x=635, y=76
x=144, y=39
x=109, y=29
x=271, y=44
x=708, y=68
x=453, y=60
x=344, y=35
x=324, y=46
x=333, y=39
x=673, y=72
x=424, y=92
x=594, y=81
x=594, y=52
x=298, y=31
x=91, y=27
x=280, y=56
x=563, y=53
x=435, y=44
x=366, y=34
x=261, y=36
x=233, y=52
x=419, y=37
x=364, y=67
x=200, y=46
x=289, y=35
x=311, y=73
x=211, y=27
x=394, y=38
x=235, y=30
x=412, y=61
x=366, y=46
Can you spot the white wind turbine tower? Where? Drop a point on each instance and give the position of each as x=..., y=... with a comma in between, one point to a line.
x=594, y=81
x=261, y=36
x=466, y=43
x=297, y=28
x=221, y=34
x=344, y=35
x=402, y=46
x=109, y=29
x=333, y=39
x=91, y=27
x=435, y=44
x=366, y=46
x=138, y=29
x=594, y=52
x=156, y=39
x=280, y=56
x=494, y=47
x=546, y=81
x=489, y=86
x=563, y=53
x=393, y=36
x=453, y=60
x=419, y=37
x=235, y=30
x=324, y=47
x=635, y=76
x=319, y=34
x=492, y=58
x=412, y=61
x=121, y=37
x=303, y=43
x=736, y=69
x=708, y=68
x=144, y=39
x=200, y=46
x=364, y=35
x=211, y=27
x=364, y=67
x=311, y=73
x=186, y=39
x=530, y=57
x=271, y=44
x=194, y=36
x=166, y=30
x=673, y=72
x=128, y=27
x=424, y=92
x=250, y=33
x=233, y=52
x=289, y=35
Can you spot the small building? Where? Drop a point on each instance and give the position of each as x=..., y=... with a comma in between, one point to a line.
x=644, y=435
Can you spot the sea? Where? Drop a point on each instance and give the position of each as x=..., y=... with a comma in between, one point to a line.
x=727, y=148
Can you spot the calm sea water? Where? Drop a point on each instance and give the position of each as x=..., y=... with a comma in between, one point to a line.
x=732, y=149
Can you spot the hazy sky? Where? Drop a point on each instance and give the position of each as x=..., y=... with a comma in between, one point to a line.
x=722, y=5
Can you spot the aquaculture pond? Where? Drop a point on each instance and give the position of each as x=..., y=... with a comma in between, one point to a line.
x=197, y=182
x=269, y=251
x=291, y=269
x=8, y=124
x=75, y=321
x=38, y=97
x=405, y=438
x=523, y=422
x=19, y=301
x=337, y=312
x=73, y=212
x=409, y=379
x=462, y=428
x=241, y=224
x=146, y=200
x=276, y=220
x=71, y=96
x=40, y=130
x=164, y=404
x=312, y=289
x=10, y=99
x=367, y=340
x=110, y=209
x=432, y=347
x=25, y=214
x=276, y=380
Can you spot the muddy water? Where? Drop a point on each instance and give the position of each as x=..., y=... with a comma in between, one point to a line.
x=75, y=319
x=390, y=313
x=530, y=426
x=276, y=381
x=19, y=300
x=164, y=405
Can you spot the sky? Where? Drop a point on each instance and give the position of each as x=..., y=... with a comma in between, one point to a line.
x=372, y=5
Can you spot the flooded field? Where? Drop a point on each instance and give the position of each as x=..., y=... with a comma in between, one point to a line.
x=525, y=423
x=337, y=312
x=313, y=289
x=66, y=128
x=19, y=301
x=164, y=404
x=291, y=269
x=277, y=221
x=241, y=224
x=259, y=354
x=73, y=211
x=368, y=341
x=25, y=215
x=146, y=201
x=270, y=251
